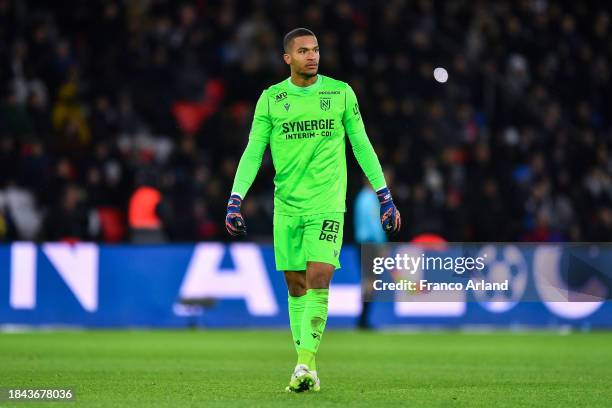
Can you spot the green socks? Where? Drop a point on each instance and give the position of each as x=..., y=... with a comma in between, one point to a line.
x=312, y=326
x=308, y=312
x=296, y=311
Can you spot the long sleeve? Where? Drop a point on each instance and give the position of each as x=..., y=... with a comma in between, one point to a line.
x=259, y=138
x=362, y=148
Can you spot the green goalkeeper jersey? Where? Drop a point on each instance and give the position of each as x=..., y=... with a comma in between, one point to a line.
x=305, y=128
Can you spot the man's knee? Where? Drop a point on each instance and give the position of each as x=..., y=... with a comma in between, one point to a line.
x=296, y=283
x=318, y=275
x=297, y=289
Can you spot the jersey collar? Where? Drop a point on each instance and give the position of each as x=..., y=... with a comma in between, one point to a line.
x=305, y=89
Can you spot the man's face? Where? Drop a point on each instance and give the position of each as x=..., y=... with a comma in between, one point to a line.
x=303, y=55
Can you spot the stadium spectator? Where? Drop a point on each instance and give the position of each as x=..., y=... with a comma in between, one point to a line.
x=144, y=216
x=368, y=230
x=366, y=223
x=68, y=221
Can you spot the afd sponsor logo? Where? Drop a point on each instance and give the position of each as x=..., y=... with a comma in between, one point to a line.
x=280, y=96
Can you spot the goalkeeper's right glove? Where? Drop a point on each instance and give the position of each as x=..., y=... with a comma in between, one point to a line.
x=234, y=223
x=389, y=215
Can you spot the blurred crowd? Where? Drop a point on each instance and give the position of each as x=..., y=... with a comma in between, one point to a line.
x=106, y=105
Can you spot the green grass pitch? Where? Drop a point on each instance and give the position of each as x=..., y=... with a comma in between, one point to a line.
x=251, y=368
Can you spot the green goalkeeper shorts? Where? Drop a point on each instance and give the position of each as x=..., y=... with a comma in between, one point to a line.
x=299, y=239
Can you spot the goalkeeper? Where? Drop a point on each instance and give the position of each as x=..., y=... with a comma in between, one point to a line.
x=304, y=119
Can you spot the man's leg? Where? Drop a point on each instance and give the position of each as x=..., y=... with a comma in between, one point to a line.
x=318, y=278
x=296, y=285
x=322, y=241
x=289, y=256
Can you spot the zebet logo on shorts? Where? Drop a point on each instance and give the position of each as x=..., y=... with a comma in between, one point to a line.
x=329, y=230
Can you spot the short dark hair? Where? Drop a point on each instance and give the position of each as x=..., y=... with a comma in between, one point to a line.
x=296, y=32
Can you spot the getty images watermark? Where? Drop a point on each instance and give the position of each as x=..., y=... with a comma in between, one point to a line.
x=412, y=265
x=487, y=272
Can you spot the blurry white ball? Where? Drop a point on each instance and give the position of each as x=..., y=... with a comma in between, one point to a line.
x=440, y=74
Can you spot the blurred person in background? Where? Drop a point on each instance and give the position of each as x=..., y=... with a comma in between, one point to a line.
x=367, y=231
x=145, y=213
x=367, y=227
x=68, y=221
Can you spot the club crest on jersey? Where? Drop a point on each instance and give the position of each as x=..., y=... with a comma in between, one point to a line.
x=325, y=103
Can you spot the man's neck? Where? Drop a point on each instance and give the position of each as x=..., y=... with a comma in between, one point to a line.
x=303, y=81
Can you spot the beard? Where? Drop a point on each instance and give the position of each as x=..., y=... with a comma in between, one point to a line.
x=306, y=74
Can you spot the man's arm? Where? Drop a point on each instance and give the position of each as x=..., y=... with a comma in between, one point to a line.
x=362, y=148
x=368, y=161
x=259, y=138
x=249, y=164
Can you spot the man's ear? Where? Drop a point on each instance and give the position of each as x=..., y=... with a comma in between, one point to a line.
x=287, y=58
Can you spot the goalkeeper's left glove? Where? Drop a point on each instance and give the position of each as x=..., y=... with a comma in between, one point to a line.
x=389, y=215
x=234, y=223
